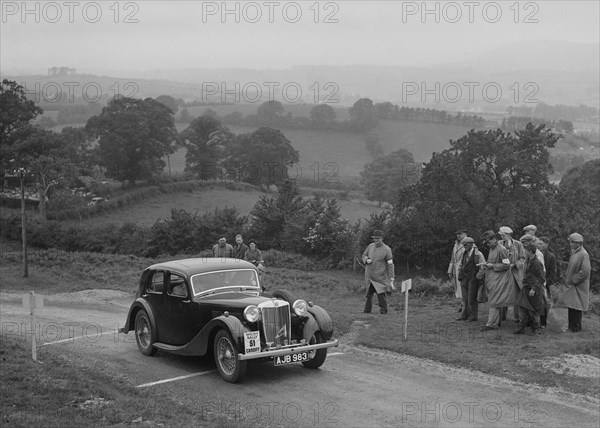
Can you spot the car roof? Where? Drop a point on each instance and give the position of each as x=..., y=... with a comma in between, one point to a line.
x=193, y=266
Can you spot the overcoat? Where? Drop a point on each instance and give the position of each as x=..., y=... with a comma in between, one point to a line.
x=379, y=271
x=577, y=279
x=533, y=279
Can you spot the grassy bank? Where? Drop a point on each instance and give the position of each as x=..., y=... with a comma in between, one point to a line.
x=66, y=391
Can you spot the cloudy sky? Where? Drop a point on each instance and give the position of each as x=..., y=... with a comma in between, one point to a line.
x=105, y=36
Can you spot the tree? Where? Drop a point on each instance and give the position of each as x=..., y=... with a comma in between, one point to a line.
x=16, y=112
x=322, y=115
x=270, y=112
x=386, y=175
x=168, y=101
x=271, y=214
x=133, y=137
x=205, y=140
x=490, y=177
x=43, y=153
x=363, y=115
x=326, y=228
x=184, y=116
x=261, y=157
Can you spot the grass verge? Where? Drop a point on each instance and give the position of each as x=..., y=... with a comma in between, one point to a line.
x=65, y=391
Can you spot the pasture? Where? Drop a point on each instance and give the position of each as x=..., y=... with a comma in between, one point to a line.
x=147, y=212
x=327, y=155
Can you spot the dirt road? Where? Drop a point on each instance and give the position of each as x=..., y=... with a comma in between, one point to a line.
x=355, y=387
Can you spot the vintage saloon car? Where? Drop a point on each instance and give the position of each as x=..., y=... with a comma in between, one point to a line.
x=197, y=306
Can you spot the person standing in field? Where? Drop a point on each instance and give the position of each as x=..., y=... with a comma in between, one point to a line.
x=577, y=278
x=379, y=272
x=516, y=256
x=500, y=285
x=239, y=249
x=551, y=274
x=530, y=300
x=471, y=264
x=454, y=265
x=222, y=249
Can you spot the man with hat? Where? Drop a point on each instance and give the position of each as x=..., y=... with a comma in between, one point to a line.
x=530, y=229
x=455, y=260
x=472, y=262
x=500, y=285
x=577, y=279
x=379, y=272
x=516, y=256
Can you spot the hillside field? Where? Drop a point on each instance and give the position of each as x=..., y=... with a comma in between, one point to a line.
x=147, y=212
x=325, y=155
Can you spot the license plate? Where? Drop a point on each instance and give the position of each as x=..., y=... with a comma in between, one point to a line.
x=290, y=358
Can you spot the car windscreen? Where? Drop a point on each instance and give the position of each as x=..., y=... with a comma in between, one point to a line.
x=225, y=278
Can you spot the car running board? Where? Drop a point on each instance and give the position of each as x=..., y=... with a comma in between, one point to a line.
x=170, y=348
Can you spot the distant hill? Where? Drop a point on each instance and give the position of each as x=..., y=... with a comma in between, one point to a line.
x=564, y=72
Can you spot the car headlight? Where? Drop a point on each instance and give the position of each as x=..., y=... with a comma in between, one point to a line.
x=252, y=313
x=300, y=307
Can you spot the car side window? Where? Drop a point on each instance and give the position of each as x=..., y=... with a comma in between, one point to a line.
x=156, y=283
x=177, y=286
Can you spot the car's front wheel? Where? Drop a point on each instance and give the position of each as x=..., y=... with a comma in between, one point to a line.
x=144, y=333
x=230, y=367
x=319, y=355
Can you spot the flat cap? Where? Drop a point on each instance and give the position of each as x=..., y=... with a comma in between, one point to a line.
x=505, y=229
x=575, y=237
x=530, y=227
x=459, y=230
x=488, y=235
x=467, y=240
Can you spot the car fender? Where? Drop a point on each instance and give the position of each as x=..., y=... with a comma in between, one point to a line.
x=310, y=327
x=323, y=320
x=199, y=344
x=133, y=310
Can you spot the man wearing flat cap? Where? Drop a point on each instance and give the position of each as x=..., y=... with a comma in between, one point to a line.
x=455, y=260
x=500, y=284
x=379, y=272
x=471, y=264
x=530, y=229
x=577, y=279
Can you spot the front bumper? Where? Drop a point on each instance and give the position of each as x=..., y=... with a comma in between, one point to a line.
x=287, y=351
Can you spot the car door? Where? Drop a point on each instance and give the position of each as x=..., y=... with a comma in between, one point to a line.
x=154, y=293
x=179, y=311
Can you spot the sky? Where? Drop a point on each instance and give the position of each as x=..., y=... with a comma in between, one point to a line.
x=105, y=36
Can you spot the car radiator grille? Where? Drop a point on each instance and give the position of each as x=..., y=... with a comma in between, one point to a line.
x=277, y=328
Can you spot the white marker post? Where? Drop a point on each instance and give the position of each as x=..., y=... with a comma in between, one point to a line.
x=30, y=301
x=406, y=285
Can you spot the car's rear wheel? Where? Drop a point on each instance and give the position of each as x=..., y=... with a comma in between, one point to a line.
x=145, y=336
x=319, y=355
x=229, y=366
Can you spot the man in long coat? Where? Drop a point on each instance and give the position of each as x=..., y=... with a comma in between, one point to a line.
x=500, y=284
x=379, y=272
x=577, y=279
x=472, y=263
x=455, y=260
x=516, y=256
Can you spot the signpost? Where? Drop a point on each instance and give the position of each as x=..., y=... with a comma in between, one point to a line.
x=31, y=301
x=406, y=285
